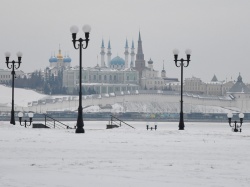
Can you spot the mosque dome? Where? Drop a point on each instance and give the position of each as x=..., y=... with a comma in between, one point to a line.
x=117, y=61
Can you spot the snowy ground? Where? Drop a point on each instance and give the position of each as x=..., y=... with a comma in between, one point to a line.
x=201, y=155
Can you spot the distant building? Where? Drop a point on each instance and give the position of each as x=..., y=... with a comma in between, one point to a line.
x=197, y=86
x=5, y=75
x=59, y=60
x=240, y=93
x=148, y=76
x=57, y=63
x=239, y=88
x=102, y=80
x=115, y=75
x=150, y=79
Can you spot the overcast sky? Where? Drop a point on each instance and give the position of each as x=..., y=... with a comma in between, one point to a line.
x=217, y=31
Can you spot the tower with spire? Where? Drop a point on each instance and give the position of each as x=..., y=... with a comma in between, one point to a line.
x=132, y=54
x=126, y=53
x=102, y=54
x=109, y=54
x=163, y=72
x=139, y=62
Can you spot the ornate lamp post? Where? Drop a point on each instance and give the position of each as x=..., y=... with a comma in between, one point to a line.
x=20, y=115
x=236, y=128
x=181, y=64
x=13, y=65
x=74, y=30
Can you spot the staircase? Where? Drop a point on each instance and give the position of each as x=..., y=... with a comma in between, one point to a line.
x=116, y=122
x=50, y=122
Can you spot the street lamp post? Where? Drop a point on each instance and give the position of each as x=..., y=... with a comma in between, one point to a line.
x=20, y=115
x=235, y=127
x=74, y=30
x=181, y=64
x=13, y=65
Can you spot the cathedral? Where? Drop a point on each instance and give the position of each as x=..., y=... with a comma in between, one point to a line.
x=58, y=63
x=59, y=60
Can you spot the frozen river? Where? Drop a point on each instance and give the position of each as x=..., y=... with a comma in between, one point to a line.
x=202, y=155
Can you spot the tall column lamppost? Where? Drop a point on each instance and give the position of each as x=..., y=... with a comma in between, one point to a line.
x=181, y=64
x=74, y=30
x=13, y=65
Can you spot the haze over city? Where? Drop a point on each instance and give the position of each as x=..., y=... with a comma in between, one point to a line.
x=216, y=31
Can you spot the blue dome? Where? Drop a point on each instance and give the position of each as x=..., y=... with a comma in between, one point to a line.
x=67, y=59
x=53, y=59
x=117, y=61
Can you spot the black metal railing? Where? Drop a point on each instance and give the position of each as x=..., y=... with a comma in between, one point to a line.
x=116, y=121
x=53, y=123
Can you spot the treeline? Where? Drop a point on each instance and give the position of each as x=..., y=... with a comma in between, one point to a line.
x=47, y=83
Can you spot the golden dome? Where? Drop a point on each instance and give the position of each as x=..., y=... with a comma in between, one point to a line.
x=59, y=56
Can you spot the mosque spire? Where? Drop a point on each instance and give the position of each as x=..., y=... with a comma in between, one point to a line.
x=102, y=53
x=109, y=47
x=163, y=72
x=102, y=44
x=132, y=54
x=126, y=53
x=133, y=46
x=109, y=54
x=126, y=45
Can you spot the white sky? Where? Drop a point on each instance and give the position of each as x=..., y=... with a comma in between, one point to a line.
x=217, y=31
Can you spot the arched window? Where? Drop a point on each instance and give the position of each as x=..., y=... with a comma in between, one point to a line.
x=114, y=77
x=105, y=77
x=110, y=77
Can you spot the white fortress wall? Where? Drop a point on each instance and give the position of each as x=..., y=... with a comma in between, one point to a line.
x=66, y=104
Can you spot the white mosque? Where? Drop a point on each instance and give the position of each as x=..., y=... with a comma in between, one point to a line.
x=111, y=76
x=117, y=62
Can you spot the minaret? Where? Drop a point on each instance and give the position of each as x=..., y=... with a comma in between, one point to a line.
x=102, y=54
x=132, y=55
x=139, y=62
x=109, y=55
x=163, y=72
x=126, y=53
